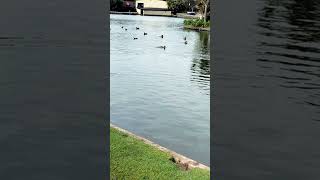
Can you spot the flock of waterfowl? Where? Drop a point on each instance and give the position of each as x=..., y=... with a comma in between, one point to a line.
x=144, y=33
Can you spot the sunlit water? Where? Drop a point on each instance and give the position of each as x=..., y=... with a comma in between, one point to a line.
x=161, y=94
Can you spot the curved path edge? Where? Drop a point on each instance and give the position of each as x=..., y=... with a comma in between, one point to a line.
x=186, y=162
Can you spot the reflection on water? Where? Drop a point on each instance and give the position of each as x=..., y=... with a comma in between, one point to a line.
x=291, y=50
x=201, y=62
x=267, y=90
x=161, y=94
x=288, y=52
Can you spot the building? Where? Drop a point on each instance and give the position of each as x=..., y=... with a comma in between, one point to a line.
x=153, y=7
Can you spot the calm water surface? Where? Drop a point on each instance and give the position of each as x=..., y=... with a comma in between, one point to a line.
x=52, y=90
x=270, y=62
x=161, y=94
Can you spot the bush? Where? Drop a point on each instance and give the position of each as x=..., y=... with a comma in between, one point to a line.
x=187, y=22
x=196, y=23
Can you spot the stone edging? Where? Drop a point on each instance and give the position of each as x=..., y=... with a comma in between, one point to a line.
x=197, y=28
x=124, y=13
x=183, y=161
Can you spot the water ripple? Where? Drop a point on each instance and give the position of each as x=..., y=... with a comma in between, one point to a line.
x=155, y=89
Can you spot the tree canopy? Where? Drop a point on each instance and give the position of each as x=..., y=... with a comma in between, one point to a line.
x=178, y=5
x=116, y=4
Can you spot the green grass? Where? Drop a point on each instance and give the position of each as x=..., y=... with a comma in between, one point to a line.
x=132, y=159
x=196, y=23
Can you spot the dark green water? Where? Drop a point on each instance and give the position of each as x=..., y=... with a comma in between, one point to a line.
x=162, y=95
x=266, y=110
x=52, y=90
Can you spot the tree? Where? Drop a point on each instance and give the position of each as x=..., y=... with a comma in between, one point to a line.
x=191, y=4
x=116, y=5
x=204, y=8
x=177, y=5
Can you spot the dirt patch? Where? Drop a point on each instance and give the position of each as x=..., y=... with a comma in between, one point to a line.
x=183, y=166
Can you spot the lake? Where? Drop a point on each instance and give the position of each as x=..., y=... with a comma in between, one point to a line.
x=161, y=94
x=53, y=90
x=266, y=110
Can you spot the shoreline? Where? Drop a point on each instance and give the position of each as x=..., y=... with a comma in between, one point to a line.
x=178, y=15
x=136, y=14
x=177, y=158
x=173, y=16
x=197, y=28
x=124, y=13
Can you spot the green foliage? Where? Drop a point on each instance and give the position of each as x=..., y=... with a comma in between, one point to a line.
x=196, y=23
x=133, y=159
x=116, y=5
x=178, y=5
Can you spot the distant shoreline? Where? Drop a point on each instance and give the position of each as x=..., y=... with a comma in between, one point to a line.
x=178, y=15
x=197, y=28
x=175, y=16
x=124, y=13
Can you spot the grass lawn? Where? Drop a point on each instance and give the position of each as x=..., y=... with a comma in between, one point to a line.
x=132, y=159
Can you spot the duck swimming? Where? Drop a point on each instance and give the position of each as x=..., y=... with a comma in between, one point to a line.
x=144, y=33
x=185, y=38
x=161, y=36
x=135, y=38
x=185, y=42
x=137, y=28
x=162, y=47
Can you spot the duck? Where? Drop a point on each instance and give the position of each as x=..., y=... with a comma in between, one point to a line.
x=122, y=27
x=162, y=47
x=185, y=38
x=135, y=38
x=185, y=42
x=144, y=33
x=161, y=36
x=137, y=28
x=126, y=29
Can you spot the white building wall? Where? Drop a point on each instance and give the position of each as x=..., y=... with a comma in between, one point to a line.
x=152, y=4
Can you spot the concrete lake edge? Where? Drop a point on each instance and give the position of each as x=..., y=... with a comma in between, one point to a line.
x=178, y=15
x=124, y=13
x=178, y=158
x=197, y=28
